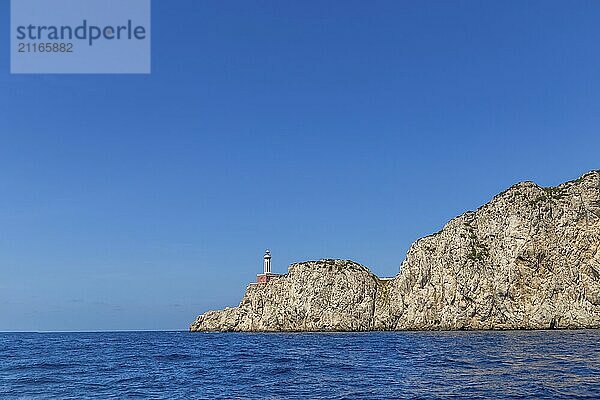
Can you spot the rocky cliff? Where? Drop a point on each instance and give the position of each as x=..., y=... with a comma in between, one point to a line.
x=529, y=259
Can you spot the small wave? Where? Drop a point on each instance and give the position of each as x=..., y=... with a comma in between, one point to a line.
x=37, y=380
x=174, y=357
x=38, y=366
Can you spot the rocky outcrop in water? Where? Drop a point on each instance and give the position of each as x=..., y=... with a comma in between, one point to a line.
x=529, y=259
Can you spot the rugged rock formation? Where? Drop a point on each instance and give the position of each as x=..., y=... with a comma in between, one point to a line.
x=529, y=259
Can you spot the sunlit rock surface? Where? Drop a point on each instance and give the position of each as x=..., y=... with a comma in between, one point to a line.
x=529, y=259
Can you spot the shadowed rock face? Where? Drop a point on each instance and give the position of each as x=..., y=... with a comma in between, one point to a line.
x=529, y=259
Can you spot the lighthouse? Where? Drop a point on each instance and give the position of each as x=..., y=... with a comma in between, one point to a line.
x=267, y=275
x=267, y=262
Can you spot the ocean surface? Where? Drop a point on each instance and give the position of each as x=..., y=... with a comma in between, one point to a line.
x=406, y=365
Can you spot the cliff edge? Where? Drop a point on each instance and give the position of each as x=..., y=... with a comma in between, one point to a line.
x=528, y=259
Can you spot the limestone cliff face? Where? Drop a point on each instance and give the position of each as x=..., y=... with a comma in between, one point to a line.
x=313, y=296
x=529, y=259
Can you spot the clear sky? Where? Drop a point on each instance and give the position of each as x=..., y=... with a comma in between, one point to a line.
x=318, y=129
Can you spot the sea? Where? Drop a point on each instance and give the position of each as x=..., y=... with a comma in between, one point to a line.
x=391, y=365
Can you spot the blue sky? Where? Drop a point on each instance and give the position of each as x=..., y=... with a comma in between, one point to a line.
x=311, y=128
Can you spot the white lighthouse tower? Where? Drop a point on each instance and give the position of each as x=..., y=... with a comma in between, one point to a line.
x=267, y=262
x=267, y=275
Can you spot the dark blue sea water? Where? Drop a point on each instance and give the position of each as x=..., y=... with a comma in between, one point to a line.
x=172, y=365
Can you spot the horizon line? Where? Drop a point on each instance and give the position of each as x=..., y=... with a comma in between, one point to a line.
x=95, y=331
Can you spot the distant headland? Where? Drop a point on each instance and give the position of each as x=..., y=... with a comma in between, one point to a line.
x=528, y=259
